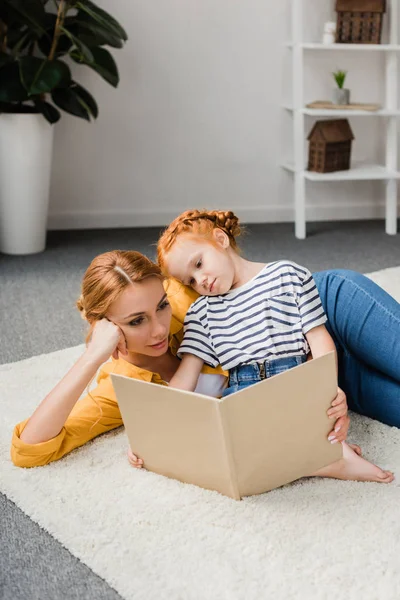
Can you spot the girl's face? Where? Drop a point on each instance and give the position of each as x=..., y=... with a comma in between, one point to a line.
x=198, y=263
x=144, y=315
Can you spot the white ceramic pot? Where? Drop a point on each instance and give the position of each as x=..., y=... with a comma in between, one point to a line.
x=341, y=96
x=26, y=142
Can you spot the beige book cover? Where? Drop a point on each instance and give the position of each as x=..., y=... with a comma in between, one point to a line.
x=250, y=442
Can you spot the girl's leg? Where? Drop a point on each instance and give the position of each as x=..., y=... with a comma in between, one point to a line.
x=364, y=322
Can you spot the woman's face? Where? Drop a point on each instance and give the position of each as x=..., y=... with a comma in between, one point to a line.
x=143, y=313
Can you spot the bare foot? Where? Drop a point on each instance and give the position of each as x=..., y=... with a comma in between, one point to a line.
x=356, y=449
x=354, y=467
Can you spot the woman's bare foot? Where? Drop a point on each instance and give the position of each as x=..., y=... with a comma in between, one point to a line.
x=356, y=449
x=354, y=467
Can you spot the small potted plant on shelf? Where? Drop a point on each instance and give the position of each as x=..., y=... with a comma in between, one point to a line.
x=341, y=95
x=36, y=85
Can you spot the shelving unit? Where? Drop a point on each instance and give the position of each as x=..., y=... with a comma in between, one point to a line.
x=388, y=172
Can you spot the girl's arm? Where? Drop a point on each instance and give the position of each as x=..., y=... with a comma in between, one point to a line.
x=48, y=419
x=320, y=342
x=188, y=372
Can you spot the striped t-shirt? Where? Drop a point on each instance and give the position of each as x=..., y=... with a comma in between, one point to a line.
x=265, y=318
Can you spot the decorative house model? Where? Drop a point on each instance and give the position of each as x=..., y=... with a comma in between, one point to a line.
x=359, y=21
x=330, y=146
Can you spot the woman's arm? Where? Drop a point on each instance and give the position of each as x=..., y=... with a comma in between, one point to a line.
x=188, y=372
x=48, y=419
x=321, y=343
x=51, y=414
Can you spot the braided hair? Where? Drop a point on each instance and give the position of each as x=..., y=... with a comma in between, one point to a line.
x=198, y=222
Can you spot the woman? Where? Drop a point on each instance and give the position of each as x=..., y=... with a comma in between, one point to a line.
x=137, y=318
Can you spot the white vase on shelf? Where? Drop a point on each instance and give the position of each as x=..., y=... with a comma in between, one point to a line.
x=341, y=96
x=329, y=35
x=26, y=142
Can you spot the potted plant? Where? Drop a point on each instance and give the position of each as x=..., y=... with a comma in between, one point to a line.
x=36, y=85
x=341, y=95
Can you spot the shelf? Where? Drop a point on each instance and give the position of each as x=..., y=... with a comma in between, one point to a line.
x=388, y=171
x=357, y=173
x=324, y=112
x=353, y=47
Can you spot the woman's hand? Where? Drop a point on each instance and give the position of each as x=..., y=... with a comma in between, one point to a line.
x=134, y=460
x=106, y=340
x=338, y=406
x=338, y=411
x=340, y=431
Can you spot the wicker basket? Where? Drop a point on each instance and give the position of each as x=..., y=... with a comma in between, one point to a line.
x=359, y=21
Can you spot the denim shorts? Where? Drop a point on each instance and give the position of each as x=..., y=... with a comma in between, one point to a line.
x=244, y=375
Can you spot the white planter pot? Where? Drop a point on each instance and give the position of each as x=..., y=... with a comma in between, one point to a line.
x=341, y=96
x=26, y=142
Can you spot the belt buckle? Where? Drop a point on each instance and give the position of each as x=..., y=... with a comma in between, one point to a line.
x=261, y=367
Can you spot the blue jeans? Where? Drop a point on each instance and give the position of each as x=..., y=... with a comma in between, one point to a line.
x=243, y=376
x=364, y=322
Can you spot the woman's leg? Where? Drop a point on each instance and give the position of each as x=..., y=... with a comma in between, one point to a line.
x=364, y=322
x=354, y=468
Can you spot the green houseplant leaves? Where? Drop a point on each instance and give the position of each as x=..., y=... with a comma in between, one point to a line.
x=36, y=36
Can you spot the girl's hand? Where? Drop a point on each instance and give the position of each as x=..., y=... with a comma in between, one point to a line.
x=107, y=339
x=340, y=431
x=339, y=406
x=134, y=460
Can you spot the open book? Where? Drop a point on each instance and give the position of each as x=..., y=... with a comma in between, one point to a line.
x=250, y=442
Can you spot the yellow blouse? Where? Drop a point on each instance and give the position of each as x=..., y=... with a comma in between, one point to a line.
x=86, y=421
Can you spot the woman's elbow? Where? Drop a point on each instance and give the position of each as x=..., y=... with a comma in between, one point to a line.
x=26, y=461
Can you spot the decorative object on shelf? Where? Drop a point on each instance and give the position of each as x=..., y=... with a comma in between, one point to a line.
x=327, y=105
x=329, y=35
x=359, y=21
x=38, y=41
x=330, y=146
x=341, y=95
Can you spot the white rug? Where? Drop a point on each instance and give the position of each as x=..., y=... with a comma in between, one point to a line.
x=154, y=538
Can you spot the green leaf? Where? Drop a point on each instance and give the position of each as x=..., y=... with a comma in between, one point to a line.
x=50, y=113
x=340, y=77
x=31, y=12
x=85, y=53
x=93, y=34
x=88, y=99
x=69, y=100
x=11, y=88
x=5, y=59
x=103, y=64
x=21, y=42
x=102, y=17
x=17, y=108
x=64, y=44
x=40, y=75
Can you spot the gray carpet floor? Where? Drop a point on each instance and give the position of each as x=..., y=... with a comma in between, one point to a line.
x=37, y=315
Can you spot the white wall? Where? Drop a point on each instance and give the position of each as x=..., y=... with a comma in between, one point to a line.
x=197, y=119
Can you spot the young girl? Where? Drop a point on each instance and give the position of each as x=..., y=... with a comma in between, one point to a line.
x=254, y=319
